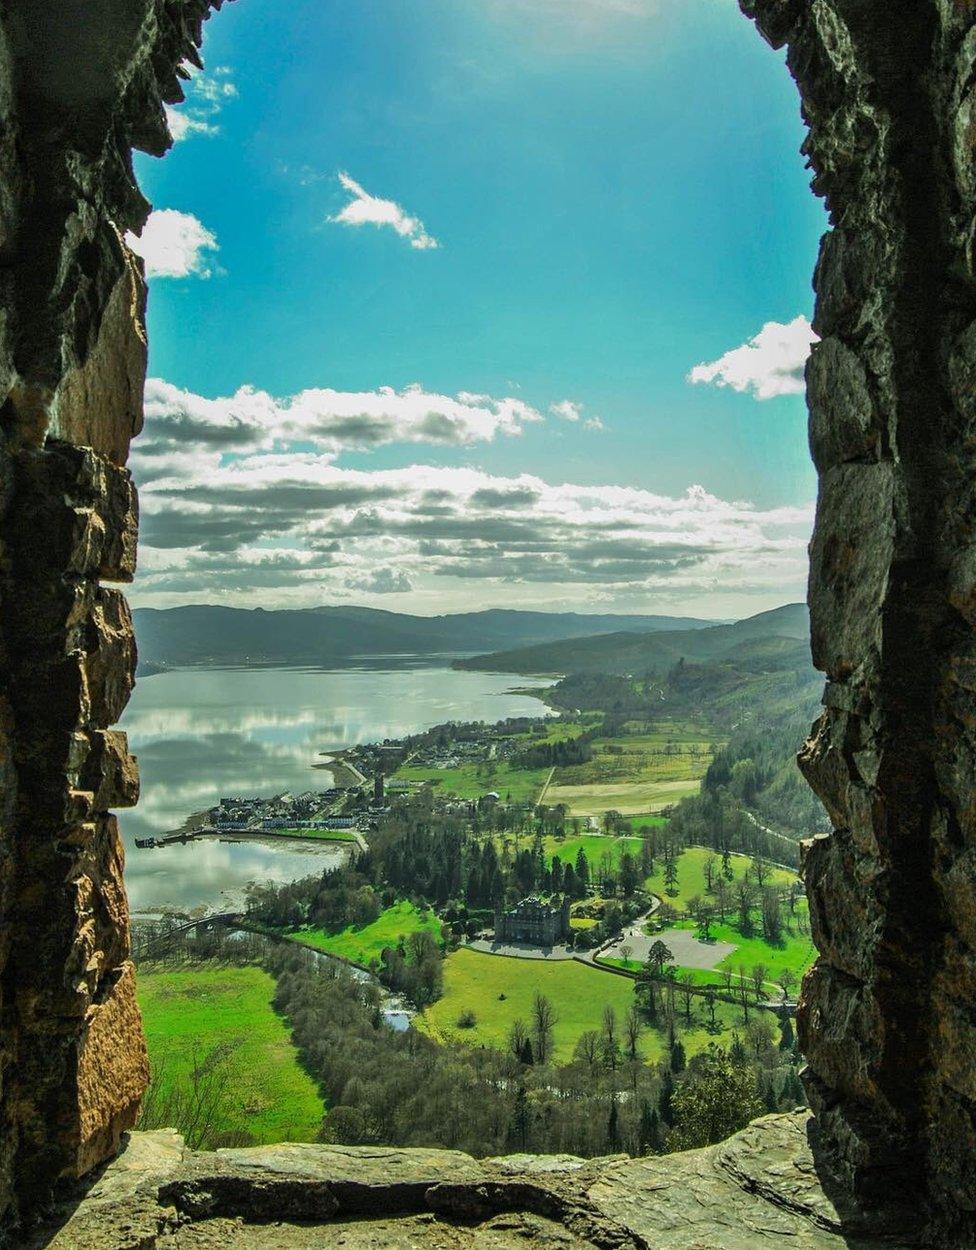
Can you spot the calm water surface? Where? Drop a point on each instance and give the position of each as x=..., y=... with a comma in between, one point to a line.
x=203, y=733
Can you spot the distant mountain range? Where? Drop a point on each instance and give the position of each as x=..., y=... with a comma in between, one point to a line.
x=770, y=640
x=208, y=635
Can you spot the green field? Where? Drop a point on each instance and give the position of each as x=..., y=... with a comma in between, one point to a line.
x=363, y=944
x=593, y=845
x=188, y=1013
x=470, y=781
x=691, y=876
x=316, y=835
x=475, y=982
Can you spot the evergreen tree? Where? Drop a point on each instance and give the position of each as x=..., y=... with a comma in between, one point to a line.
x=665, y=1099
x=519, y=1127
x=613, y=1128
x=678, y=1060
x=649, y=1137
x=787, y=1038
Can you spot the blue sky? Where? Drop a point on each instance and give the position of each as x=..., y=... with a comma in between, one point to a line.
x=552, y=209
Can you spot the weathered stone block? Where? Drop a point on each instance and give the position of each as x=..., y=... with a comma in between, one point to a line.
x=109, y=658
x=75, y=511
x=112, y=1073
x=109, y=771
x=99, y=403
x=843, y=423
x=842, y=1033
x=850, y=557
x=846, y=920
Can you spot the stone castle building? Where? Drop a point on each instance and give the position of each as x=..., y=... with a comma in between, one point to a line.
x=540, y=922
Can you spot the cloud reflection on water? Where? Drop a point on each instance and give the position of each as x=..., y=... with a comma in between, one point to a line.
x=203, y=733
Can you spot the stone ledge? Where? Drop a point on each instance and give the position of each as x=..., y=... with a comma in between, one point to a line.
x=759, y=1189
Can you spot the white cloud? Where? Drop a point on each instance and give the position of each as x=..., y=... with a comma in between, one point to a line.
x=297, y=527
x=567, y=409
x=182, y=425
x=244, y=499
x=369, y=210
x=206, y=95
x=593, y=423
x=769, y=365
x=382, y=581
x=175, y=245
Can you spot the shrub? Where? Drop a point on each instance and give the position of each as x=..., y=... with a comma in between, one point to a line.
x=467, y=1020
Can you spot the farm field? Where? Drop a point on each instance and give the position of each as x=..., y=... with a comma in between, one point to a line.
x=498, y=990
x=189, y=1013
x=627, y=798
x=637, y=773
x=365, y=943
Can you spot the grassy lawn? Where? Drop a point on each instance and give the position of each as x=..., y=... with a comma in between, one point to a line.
x=188, y=1013
x=470, y=781
x=367, y=943
x=647, y=820
x=593, y=845
x=474, y=981
x=796, y=952
x=691, y=876
x=316, y=835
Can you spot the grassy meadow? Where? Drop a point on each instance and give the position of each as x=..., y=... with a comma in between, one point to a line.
x=362, y=944
x=190, y=1013
x=470, y=781
x=498, y=990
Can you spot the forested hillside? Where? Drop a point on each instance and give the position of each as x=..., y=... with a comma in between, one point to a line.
x=757, y=638
x=207, y=634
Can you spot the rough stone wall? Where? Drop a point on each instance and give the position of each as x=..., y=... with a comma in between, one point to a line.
x=887, y=1018
x=81, y=83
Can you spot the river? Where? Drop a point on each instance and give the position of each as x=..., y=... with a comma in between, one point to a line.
x=203, y=733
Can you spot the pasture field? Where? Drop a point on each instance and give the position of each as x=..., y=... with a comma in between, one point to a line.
x=188, y=1013
x=637, y=773
x=499, y=990
x=365, y=943
x=630, y=798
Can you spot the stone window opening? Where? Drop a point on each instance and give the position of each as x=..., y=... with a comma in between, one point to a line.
x=886, y=1019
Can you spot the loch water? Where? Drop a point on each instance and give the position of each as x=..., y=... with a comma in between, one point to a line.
x=202, y=733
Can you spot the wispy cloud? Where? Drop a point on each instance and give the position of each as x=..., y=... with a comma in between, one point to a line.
x=175, y=245
x=369, y=210
x=567, y=409
x=206, y=95
x=769, y=365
